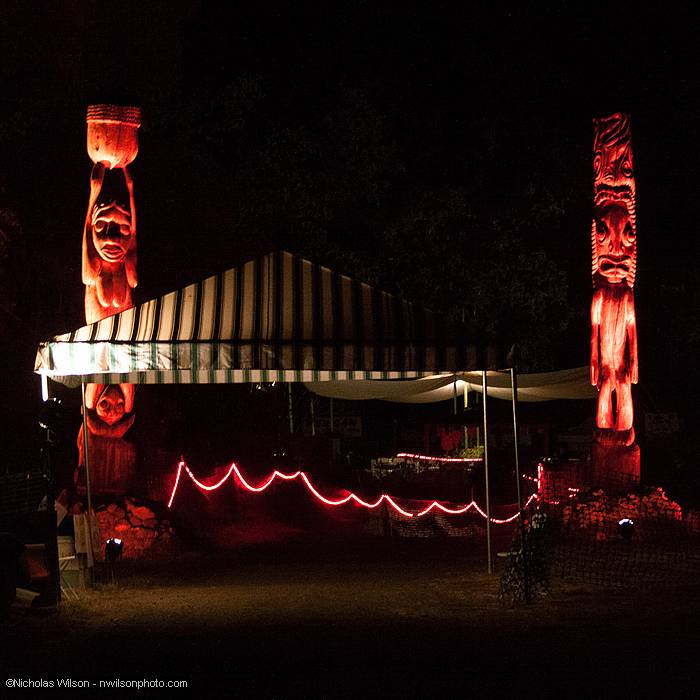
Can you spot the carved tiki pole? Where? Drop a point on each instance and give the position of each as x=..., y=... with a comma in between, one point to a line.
x=614, y=365
x=109, y=236
x=109, y=275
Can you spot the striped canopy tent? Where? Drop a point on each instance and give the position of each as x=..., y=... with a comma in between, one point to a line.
x=276, y=318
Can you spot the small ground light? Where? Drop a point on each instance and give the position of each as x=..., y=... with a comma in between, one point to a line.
x=113, y=549
x=625, y=528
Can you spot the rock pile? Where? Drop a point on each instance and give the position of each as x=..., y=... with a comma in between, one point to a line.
x=599, y=514
x=137, y=527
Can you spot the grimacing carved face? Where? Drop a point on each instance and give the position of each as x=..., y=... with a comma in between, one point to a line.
x=110, y=406
x=111, y=231
x=614, y=193
x=615, y=240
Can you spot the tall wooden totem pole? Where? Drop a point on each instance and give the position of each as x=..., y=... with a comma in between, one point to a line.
x=614, y=365
x=109, y=275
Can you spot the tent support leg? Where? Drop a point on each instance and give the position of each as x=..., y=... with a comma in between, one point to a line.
x=44, y=388
x=489, y=555
x=86, y=460
x=465, y=396
x=514, y=389
x=291, y=410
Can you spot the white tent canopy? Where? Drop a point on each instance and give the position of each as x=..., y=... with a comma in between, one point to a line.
x=282, y=318
x=548, y=386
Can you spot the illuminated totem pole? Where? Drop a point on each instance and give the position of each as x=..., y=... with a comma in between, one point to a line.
x=109, y=275
x=614, y=365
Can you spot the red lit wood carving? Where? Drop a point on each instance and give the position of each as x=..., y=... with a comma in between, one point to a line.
x=109, y=275
x=109, y=235
x=110, y=408
x=614, y=364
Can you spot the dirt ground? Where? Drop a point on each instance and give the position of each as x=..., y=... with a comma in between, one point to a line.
x=360, y=618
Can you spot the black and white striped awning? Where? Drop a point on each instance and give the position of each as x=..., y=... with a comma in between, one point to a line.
x=277, y=318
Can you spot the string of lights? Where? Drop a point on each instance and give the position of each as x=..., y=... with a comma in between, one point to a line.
x=233, y=470
x=426, y=458
x=475, y=506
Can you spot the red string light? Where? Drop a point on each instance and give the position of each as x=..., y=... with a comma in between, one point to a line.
x=234, y=470
x=353, y=497
x=475, y=506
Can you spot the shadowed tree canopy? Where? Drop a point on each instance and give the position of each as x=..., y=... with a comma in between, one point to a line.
x=438, y=153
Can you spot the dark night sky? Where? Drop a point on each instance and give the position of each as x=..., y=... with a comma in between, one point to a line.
x=496, y=104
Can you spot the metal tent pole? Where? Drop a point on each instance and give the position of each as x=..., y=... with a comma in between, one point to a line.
x=489, y=555
x=86, y=460
x=53, y=592
x=44, y=388
x=465, y=405
x=514, y=389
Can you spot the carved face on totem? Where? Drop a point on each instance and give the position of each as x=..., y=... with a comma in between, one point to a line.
x=111, y=405
x=614, y=234
x=111, y=220
x=111, y=231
